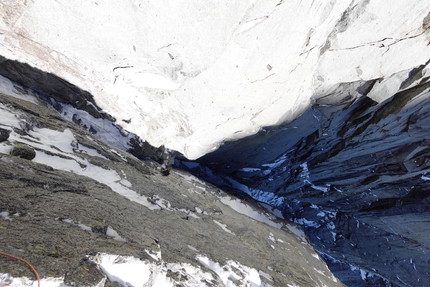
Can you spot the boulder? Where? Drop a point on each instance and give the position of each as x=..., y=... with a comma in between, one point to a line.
x=4, y=134
x=23, y=151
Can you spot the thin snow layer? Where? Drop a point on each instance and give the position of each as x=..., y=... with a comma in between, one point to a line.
x=201, y=82
x=55, y=148
x=243, y=208
x=8, y=88
x=106, y=176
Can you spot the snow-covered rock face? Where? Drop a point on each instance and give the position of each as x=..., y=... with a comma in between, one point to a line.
x=320, y=109
x=192, y=74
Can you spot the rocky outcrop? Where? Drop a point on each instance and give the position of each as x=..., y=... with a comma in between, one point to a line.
x=218, y=72
x=23, y=151
x=353, y=172
x=317, y=108
x=80, y=200
x=61, y=93
x=4, y=134
x=50, y=85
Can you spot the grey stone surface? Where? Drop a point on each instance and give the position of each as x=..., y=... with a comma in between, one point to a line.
x=352, y=171
x=46, y=207
x=4, y=134
x=23, y=151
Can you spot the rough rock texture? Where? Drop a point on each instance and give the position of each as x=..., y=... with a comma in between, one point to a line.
x=49, y=84
x=342, y=86
x=4, y=134
x=58, y=211
x=23, y=151
x=353, y=172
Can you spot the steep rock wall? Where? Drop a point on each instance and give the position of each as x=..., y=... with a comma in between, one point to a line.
x=190, y=75
x=353, y=172
x=321, y=107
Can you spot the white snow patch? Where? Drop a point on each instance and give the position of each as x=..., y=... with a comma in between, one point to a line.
x=133, y=272
x=192, y=248
x=272, y=238
x=240, y=207
x=424, y=177
x=309, y=223
x=67, y=220
x=276, y=163
x=112, y=233
x=156, y=255
x=8, y=280
x=249, y=276
x=224, y=227
x=190, y=178
x=5, y=215
x=8, y=119
x=106, y=176
x=127, y=271
x=276, y=212
x=90, y=151
x=85, y=227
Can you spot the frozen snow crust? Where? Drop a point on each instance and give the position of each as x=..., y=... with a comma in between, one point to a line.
x=192, y=74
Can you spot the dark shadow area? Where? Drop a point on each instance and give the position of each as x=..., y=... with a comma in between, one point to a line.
x=50, y=85
x=342, y=168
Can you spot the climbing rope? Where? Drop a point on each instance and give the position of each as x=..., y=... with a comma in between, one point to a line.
x=26, y=263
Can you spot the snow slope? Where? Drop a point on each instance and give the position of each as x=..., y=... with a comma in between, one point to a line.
x=192, y=74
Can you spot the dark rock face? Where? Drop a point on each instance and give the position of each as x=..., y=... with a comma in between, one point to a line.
x=23, y=151
x=61, y=92
x=62, y=218
x=142, y=149
x=353, y=172
x=4, y=134
x=50, y=85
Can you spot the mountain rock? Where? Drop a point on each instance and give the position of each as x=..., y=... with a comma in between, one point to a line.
x=215, y=71
x=4, y=134
x=353, y=172
x=23, y=151
x=79, y=209
x=317, y=109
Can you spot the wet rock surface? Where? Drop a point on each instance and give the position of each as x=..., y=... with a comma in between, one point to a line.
x=352, y=171
x=62, y=208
